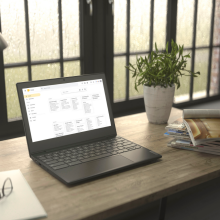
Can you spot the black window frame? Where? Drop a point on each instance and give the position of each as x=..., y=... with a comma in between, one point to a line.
x=15, y=128
x=97, y=55
x=136, y=105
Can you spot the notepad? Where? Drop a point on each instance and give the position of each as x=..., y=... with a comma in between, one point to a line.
x=22, y=203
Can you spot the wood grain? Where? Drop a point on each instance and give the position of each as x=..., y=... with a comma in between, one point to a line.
x=98, y=199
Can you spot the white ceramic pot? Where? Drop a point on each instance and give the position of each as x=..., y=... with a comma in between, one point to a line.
x=158, y=103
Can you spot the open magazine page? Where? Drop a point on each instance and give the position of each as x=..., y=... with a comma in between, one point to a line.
x=202, y=130
x=201, y=113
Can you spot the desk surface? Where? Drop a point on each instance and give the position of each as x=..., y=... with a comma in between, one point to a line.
x=175, y=171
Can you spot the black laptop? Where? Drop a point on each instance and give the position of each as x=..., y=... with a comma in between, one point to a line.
x=70, y=129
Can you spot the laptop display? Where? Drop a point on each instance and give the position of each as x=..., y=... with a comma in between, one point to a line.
x=66, y=109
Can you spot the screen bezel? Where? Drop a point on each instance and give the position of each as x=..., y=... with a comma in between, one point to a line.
x=44, y=145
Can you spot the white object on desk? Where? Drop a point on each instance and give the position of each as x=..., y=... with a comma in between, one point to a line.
x=22, y=202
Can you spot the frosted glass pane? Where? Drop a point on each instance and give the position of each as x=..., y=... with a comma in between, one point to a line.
x=70, y=16
x=46, y=71
x=13, y=30
x=182, y=94
x=216, y=34
x=13, y=76
x=119, y=79
x=200, y=82
x=43, y=17
x=140, y=25
x=71, y=68
x=160, y=17
x=185, y=16
x=120, y=26
x=133, y=94
x=214, y=86
x=203, y=22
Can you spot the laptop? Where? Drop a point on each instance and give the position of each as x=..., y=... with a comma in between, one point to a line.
x=70, y=129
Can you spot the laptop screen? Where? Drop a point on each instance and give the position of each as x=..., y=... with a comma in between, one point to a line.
x=65, y=109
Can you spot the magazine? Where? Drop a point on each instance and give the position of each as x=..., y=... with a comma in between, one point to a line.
x=203, y=125
x=177, y=125
x=199, y=148
x=177, y=136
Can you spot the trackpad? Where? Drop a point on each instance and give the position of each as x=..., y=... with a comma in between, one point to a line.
x=93, y=168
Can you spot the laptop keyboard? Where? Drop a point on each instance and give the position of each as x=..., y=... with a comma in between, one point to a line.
x=84, y=153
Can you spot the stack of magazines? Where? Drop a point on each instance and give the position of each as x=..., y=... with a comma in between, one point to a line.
x=197, y=130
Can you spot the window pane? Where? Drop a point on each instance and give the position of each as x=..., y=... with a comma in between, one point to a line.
x=46, y=71
x=185, y=15
x=133, y=94
x=214, y=86
x=43, y=16
x=160, y=17
x=120, y=26
x=13, y=30
x=119, y=79
x=12, y=76
x=203, y=22
x=200, y=82
x=182, y=94
x=216, y=34
x=70, y=17
x=140, y=25
x=72, y=68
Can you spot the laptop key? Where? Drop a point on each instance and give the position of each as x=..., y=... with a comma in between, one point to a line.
x=137, y=146
x=96, y=157
x=56, y=164
x=50, y=162
x=46, y=160
x=42, y=158
x=114, y=152
x=60, y=167
x=74, y=163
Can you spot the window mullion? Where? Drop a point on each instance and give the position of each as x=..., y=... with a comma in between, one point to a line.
x=171, y=21
x=151, y=25
x=128, y=47
x=60, y=37
x=28, y=39
x=86, y=38
x=193, y=48
x=211, y=49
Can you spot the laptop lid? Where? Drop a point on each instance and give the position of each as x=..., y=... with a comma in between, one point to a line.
x=65, y=111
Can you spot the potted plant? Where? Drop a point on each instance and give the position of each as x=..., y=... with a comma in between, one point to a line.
x=159, y=73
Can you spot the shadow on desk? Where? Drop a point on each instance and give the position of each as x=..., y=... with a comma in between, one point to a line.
x=200, y=202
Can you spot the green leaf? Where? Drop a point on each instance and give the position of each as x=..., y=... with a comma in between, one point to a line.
x=156, y=47
x=167, y=46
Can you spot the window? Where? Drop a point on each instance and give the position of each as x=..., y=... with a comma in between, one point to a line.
x=59, y=38
x=44, y=43
x=198, y=29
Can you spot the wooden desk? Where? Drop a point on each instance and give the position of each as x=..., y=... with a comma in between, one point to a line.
x=111, y=195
